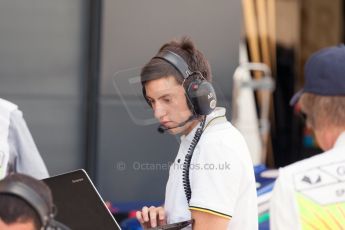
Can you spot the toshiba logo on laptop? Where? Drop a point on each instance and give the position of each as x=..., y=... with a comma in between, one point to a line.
x=77, y=180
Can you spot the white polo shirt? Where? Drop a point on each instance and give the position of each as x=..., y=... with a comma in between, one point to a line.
x=221, y=176
x=310, y=194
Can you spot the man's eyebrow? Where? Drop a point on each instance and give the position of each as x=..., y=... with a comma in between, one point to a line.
x=164, y=95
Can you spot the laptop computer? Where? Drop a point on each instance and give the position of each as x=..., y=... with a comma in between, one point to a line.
x=79, y=205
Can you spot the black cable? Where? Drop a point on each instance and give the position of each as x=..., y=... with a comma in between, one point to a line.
x=188, y=159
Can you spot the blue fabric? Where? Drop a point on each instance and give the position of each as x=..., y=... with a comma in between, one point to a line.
x=130, y=224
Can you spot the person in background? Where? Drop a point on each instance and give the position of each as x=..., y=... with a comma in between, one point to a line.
x=18, y=194
x=310, y=194
x=18, y=152
x=212, y=179
x=27, y=204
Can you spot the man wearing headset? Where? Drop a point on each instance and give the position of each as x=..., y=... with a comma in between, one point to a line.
x=310, y=194
x=15, y=211
x=211, y=180
x=27, y=204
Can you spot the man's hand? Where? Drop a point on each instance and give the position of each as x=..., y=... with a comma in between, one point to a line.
x=151, y=217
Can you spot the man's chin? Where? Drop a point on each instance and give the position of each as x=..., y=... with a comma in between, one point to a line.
x=175, y=131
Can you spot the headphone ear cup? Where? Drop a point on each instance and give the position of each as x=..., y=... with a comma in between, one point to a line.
x=202, y=96
x=29, y=195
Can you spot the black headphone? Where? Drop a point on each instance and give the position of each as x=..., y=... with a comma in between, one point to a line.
x=200, y=93
x=26, y=193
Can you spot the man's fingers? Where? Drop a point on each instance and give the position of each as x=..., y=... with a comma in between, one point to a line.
x=148, y=217
x=139, y=217
x=153, y=216
x=161, y=213
x=145, y=214
x=161, y=216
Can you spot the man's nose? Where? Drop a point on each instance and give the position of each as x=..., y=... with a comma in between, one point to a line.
x=159, y=110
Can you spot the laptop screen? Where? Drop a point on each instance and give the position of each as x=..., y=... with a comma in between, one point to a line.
x=79, y=205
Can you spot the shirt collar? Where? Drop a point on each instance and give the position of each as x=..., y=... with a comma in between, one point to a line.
x=218, y=112
x=340, y=140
